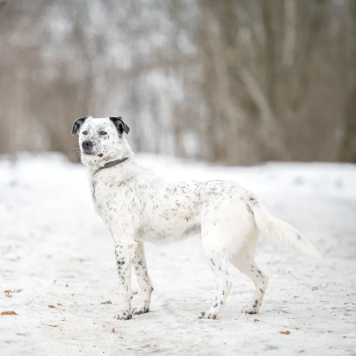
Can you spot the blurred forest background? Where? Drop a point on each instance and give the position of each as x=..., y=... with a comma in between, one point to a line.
x=229, y=81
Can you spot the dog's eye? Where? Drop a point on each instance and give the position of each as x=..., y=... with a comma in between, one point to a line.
x=102, y=133
x=85, y=132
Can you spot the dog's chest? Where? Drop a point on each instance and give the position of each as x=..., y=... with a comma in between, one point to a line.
x=106, y=196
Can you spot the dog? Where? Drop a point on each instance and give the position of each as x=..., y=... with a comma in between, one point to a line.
x=139, y=207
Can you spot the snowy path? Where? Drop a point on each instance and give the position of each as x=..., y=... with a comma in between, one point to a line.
x=58, y=252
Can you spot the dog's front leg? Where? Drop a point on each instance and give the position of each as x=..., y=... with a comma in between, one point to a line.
x=143, y=279
x=124, y=254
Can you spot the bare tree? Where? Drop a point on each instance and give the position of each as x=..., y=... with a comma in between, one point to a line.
x=228, y=81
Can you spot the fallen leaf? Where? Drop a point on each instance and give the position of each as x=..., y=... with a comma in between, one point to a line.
x=18, y=334
x=7, y=291
x=285, y=332
x=53, y=326
x=72, y=294
x=67, y=285
x=19, y=290
x=297, y=328
x=147, y=345
x=51, y=306
x=55, y=281
x=60, y=304
x=296, y=296
x=14, y=259
x=113, y=330
x=63, y=319
x=107, y=302
x=9, y=313
x=135, y=292
x=256, y=320
x=8, y=295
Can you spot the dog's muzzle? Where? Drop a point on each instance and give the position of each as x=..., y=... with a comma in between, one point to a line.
x=87, y=147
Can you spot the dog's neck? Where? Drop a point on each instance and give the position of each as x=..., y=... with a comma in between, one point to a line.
x=111, y=164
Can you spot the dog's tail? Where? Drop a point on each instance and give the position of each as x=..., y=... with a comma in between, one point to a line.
x=279, y=230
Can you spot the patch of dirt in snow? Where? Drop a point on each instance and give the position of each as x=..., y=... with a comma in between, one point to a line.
x=56, y=250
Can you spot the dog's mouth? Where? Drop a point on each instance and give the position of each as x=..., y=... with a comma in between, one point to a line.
x=90, y=153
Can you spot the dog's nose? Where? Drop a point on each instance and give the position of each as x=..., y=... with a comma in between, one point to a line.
x=87, y=144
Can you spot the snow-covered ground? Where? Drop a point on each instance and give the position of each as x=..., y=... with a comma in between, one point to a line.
x=55, y=251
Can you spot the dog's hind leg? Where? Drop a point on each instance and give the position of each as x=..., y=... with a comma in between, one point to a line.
x=143, y=279
x=246, y=264
x=218, y=265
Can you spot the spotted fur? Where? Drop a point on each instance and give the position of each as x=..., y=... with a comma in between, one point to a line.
x=140, y=207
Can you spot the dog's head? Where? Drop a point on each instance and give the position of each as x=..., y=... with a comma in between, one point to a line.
x=101, y=139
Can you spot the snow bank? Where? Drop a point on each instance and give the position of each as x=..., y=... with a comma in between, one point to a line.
x=56, y=252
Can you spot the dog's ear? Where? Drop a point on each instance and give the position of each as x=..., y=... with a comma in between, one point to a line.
x=77, y=124
x=120, y=125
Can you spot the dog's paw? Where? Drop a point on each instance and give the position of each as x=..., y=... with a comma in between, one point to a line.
x=206, y=315
x=249, y=310
x=143, y=308
x=123, y=315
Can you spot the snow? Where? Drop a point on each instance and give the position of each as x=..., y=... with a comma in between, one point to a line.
x=57, y=250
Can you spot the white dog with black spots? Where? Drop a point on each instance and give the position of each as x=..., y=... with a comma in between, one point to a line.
x=138, y=207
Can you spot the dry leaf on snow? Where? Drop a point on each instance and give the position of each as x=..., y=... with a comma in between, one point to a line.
x=9, y=313
x=51, y=306
x=285, y=332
